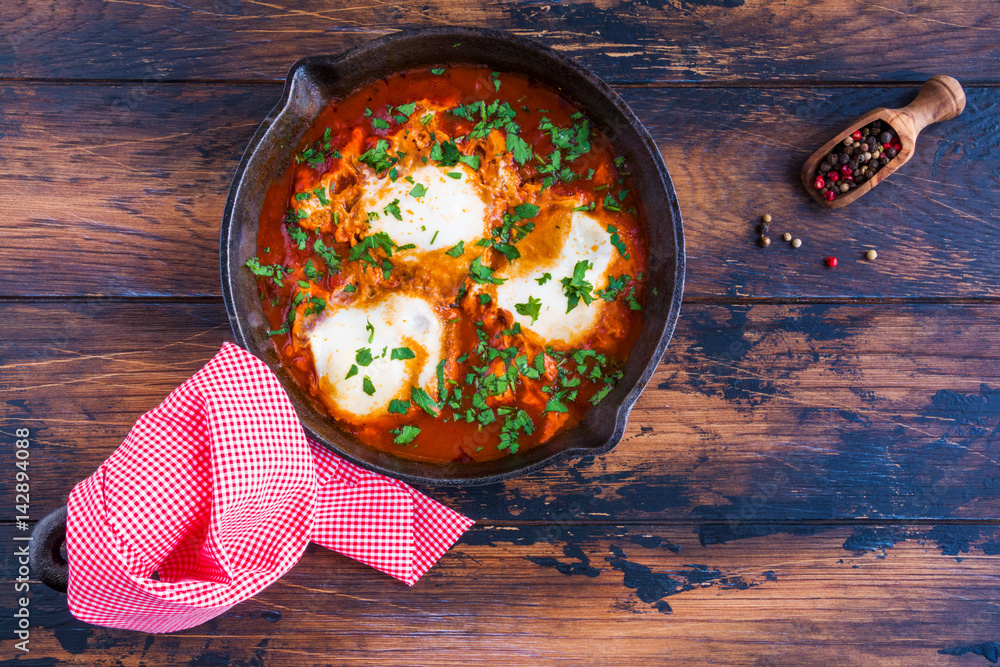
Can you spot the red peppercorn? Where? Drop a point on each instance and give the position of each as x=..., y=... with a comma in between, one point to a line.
x=831, y=262
x=857, y=135
x=846, y=170
x=897, y=146
x=819, y=183
x=831, y=195
x=886, y=147
x=833, y=176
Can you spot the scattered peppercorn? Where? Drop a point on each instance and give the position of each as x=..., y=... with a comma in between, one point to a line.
x=766, y=217
x=856, y=159
x=764, y=241
x=831, y=262
x=796, y=243
x=786, y=237
x=871, y=255
x=762, y=228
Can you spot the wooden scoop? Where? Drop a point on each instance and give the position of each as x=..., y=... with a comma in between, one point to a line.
x=939, y=99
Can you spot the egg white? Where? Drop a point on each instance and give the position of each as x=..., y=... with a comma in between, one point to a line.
x=585, y=240
x=396, y=320
x=451, y=209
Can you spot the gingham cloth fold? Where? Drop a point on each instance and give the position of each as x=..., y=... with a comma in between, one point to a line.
x=215, y=494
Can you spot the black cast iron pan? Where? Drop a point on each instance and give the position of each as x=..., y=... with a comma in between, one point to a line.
x=314, y=81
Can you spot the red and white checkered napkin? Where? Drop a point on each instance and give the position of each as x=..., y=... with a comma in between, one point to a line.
x=218, y=491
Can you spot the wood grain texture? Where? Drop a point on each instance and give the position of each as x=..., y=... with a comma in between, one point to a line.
x=644, y=40
x=780, y=415
x=135, y=178
x=633, y=595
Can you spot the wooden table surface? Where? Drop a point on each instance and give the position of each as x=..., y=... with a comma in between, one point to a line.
x=809, y=479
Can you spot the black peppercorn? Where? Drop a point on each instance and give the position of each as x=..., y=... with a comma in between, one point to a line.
x=891, y=152
x=885, y=137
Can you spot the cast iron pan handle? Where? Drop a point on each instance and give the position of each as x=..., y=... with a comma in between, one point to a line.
x=46, y=561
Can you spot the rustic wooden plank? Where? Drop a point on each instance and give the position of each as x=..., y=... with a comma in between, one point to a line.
x=760, y=414
x=595, y=595
x=124, y=187
x=690, y=40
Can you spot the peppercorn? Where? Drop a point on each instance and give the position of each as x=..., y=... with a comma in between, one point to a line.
x=766, y=217
x=885, y=137
x=831, y=262
x=764, y=241
x=796, y=243
x=848, y=141
x=762, y=228
x=871, y=255
x=786, y=237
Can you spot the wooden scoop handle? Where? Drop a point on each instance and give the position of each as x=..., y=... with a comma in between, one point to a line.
x=939, y=99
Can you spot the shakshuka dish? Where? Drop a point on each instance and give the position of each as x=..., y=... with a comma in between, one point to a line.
x=453, y=264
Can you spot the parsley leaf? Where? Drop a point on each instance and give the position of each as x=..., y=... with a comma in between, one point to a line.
x=530, y=309
x=393, y=209
x=424, y=401
x=331, y=258
x=378, y=157
x=519, y=148
x=273, y=271
x=419, y=190
x=617, y=242
x=578, y=287
x=378, y=240
x=352, y=372
x=370, y=328
x=405, y=434
x=363, y=356
x=526, y=210
x=367, y=386
x=555, y=406
x=438, y=71
x=398, y=407
x=407, y=109
x=454, y=174
x=402, y=353
x=546, y=277
x=457, y=250
x=483, y=274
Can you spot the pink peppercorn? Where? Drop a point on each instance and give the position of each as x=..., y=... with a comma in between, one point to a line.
x=831, y=262
x=857, y=135
x=819, y=183
x=831, y=195
x=846, y=170
x=833, y=176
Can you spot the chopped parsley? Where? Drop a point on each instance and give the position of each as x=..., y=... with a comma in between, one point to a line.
x=424, y=401
x=405, y=434
x=483, y=274
x=402, y=353
x=370, y=328
x=378, y=157
x=530, y=309
x=438, y=71
x=352, y=372
x=613, y=289
x=398, y=407
x=367, y=386
x=273, y=271
x=577, y=287
x=331, y=258
x=376, y=241
x=454, y=174
x=419, y=190
x=457, y=250
x=393, y=209
x=363, y=356
x=546, y=277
